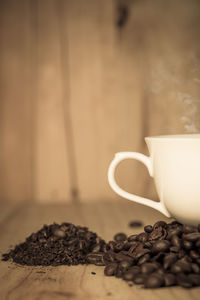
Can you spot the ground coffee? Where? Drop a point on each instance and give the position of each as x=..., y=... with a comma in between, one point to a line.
x=64, y=244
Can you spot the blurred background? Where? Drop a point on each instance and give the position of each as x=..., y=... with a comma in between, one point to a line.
x=83, y=79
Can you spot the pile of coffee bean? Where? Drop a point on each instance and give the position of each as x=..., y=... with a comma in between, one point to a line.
x=162, y=255
x=64, y=244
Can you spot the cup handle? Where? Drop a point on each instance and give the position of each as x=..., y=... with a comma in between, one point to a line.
x=120, y=156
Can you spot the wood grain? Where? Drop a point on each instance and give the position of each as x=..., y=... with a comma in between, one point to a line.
x=15, y=111
x=76, y=282
x=52, y=171
x=105, y=96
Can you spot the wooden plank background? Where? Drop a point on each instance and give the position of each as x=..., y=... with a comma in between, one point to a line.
x=81, y=80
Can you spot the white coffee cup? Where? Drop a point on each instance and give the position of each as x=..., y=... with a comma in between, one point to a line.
x=174, y=164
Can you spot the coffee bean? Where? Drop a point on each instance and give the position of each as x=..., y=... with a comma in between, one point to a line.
x=186, y=259
x=119, y=246
x=135, y=224
x=160, y=224
x=197, y=244
x=156, y=234
x=59, y=233
x=148, y=228
x=194, y=254
x=158, y=258
x=175, y=241
x=181, y=266
x=187, y=245
x=159, y=246
x=164, y=234
x=145, y=258
x=195, y=278
x=154, y=281
x=128, y=276
x=160, y=271
x=108, y=257
x=156, y=264
x=170, y=279
x=135, y=270
x=181, y=253
x=175, y=224
x=96, y=259
x=110, y=269
x=133, y=246
x=121, y=256
x=192, y=237
x=105, y=248
x=111, y=244
x=147, y=268
x=195, y=268
x=189, y=229
x=184, y=280
x=176, y=268
x=125, y=264
x=141, y=252
x=147, y=245
x=120, y=237
x=174, y=249
x=127, y=245
x=173, y=231
x=96, y=248
x=132, y=237
x=119, y=273
x=169, y=259
x=139, y=279
x=143, y=237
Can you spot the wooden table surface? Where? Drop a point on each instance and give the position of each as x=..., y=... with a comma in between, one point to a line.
x=74, y=282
